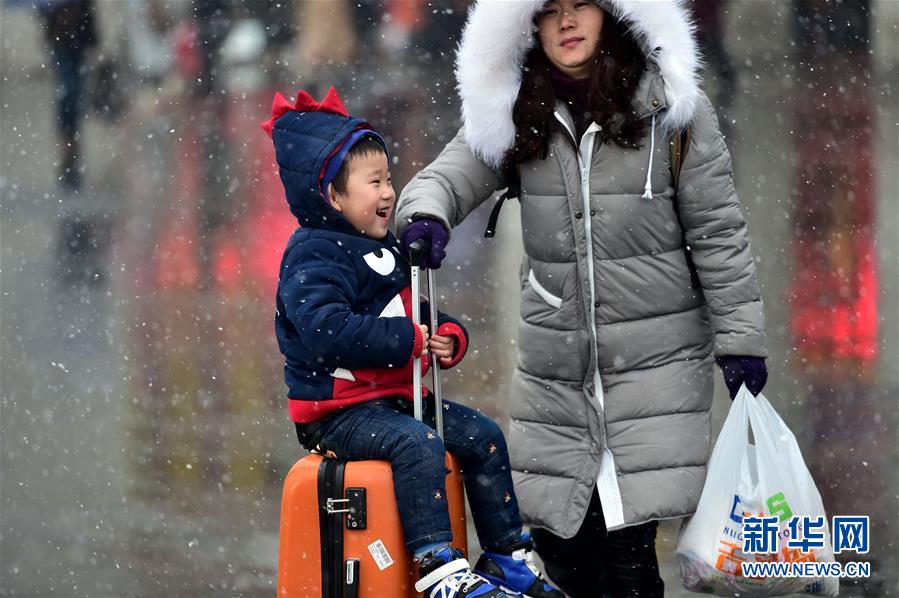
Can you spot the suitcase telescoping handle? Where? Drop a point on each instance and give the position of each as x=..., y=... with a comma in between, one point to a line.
x=416, y=250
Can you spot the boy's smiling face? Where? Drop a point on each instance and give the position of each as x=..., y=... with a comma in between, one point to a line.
x=369, y=197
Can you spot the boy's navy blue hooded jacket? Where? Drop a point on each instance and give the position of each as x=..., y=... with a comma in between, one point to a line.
x=343, y=316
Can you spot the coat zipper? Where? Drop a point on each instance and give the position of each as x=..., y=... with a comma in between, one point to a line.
x=584, y=163
x=606, y=481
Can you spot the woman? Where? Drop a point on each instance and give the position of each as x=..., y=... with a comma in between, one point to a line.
x=610, y=402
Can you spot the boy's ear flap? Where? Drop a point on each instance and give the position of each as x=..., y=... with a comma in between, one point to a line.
x=332, y=200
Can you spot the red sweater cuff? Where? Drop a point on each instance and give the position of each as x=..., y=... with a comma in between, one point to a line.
x=418, y=343
x=454, y=330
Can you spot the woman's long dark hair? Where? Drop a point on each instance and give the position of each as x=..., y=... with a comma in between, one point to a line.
x=618, y=65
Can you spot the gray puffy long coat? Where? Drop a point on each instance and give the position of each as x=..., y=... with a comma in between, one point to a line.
x=613, y=385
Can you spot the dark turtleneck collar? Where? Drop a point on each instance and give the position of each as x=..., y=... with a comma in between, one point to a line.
x=574, y=93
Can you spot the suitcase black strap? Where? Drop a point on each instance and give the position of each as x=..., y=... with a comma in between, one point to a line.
x=330, y=517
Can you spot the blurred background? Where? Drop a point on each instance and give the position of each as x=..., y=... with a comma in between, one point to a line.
x=144, y=429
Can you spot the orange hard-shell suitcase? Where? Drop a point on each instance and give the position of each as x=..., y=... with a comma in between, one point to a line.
x=341, y=535
x=342, y=538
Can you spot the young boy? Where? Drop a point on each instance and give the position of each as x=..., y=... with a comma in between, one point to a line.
x=343, y=325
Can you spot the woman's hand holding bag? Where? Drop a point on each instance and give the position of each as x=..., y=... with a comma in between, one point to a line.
x=768, y=478
x=739, y=370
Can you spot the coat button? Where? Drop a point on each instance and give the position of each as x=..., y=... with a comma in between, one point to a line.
x=596, y=304
x=593, y=212
x=578, y=215
x=655, y=103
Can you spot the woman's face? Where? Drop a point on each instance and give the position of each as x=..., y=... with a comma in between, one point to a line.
x=569, y=33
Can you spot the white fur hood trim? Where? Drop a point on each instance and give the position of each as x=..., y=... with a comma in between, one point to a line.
x=499, y=33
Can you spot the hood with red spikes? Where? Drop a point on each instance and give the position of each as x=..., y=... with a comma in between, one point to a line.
x=304, y=103
x=311, y=141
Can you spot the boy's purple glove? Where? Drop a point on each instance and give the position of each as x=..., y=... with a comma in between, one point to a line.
x=434, y=236
x=739, y=370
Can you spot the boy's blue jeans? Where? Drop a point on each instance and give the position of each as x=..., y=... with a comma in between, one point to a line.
x=385, y=429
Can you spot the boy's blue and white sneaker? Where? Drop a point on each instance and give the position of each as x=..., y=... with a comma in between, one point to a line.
x=513, y=570
x=446, y=574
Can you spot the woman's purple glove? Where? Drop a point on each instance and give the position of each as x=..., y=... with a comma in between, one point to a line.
x=739, y=370
x=433, y=235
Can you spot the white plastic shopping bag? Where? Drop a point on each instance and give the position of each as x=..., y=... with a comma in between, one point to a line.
x=768, y=479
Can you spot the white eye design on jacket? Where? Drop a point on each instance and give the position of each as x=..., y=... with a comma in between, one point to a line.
x=381, y=261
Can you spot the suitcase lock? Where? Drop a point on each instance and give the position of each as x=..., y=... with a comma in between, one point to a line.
x=354, y=507
x=330, y=505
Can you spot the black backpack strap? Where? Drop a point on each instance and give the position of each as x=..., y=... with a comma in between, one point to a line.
x=680, y=144
x=513, y=190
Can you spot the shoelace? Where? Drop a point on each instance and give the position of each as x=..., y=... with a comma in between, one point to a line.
x=457, y=582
